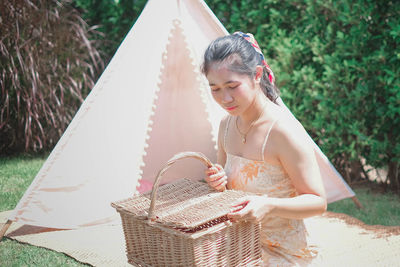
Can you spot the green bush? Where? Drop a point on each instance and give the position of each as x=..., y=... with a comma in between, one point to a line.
x=336, y=62
x=338, y=68
x=48, y=65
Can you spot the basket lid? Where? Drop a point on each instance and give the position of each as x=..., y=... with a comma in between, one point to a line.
x=183, y=204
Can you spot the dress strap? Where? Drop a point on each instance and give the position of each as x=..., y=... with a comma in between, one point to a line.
x=266, y=138
x=226, y=131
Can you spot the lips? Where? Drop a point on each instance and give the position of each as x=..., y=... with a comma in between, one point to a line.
x=230, y=108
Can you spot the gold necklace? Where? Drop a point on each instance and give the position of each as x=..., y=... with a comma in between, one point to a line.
x=244, y=135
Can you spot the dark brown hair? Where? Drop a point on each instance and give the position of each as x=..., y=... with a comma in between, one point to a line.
x=240, y=57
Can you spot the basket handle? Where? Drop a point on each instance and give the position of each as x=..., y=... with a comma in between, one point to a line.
x=182, y=155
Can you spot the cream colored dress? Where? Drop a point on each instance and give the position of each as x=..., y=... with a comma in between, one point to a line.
x=283, y=240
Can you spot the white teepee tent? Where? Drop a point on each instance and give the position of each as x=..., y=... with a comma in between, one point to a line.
x=150, y=103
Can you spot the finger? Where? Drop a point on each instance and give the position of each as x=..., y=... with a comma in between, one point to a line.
x=213, y=179
x=222, y=186
x=216, y=176
x=242, y=204
x=238, y=215
x=218, y=167
x=243, y=201
x=239, y=206
x=236, y=209
x=219, y=183
x=215, y=183
x=211, y=170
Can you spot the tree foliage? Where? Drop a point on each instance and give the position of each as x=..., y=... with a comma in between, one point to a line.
x=48, y=65
x=336, y=63
x=338, y=66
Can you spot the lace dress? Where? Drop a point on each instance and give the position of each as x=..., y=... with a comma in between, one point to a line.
x=283, y=240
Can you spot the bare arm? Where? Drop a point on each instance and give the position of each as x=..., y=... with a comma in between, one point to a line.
x=292, y=148
x=221, y=154
x=215, y=175
x=298, y=159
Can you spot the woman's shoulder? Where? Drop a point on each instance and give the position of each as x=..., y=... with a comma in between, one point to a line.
x=222, y=126
x=287, y=131
x=224, y=121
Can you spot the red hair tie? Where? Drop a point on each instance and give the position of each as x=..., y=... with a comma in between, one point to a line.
x=250, y=38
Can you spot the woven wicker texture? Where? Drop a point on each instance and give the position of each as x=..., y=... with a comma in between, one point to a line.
x=185, y=224
x=341, y=242
x=182, y=204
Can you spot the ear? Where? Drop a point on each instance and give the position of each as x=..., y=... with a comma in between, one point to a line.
x=259, y=73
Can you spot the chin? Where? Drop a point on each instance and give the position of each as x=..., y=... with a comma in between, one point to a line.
x=233, y=112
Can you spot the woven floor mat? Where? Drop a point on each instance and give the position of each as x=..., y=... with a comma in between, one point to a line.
x=345, y=241
x=340, y=239
x=97, y=245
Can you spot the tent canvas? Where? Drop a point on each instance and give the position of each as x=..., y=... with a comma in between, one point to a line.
x=150, y=103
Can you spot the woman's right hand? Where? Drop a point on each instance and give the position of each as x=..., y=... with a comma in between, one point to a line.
x=216, y=177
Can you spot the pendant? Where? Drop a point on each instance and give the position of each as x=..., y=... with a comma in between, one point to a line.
x=244, y=140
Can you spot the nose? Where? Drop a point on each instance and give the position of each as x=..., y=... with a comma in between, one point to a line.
x=226, y=97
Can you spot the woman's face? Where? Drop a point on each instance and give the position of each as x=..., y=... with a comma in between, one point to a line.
x=233, y=91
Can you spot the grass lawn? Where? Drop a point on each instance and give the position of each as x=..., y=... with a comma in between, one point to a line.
x=378, y=207
x=17, y=173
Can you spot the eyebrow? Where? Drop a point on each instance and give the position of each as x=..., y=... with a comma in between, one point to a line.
x=211, y=84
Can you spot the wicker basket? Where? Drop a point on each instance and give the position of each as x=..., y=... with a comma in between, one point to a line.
x=187, y=225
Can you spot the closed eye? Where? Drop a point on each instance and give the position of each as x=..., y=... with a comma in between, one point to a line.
x=233, y=85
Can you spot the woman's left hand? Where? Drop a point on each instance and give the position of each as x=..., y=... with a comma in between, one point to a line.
x=251, y=208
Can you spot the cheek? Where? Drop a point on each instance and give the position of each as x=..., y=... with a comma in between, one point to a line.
x=241, y=94
x=216, y=96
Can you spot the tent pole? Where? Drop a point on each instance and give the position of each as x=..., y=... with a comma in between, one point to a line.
x=357, y=202
x=4, y=229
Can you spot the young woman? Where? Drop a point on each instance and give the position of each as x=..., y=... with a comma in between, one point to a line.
x=262, y=151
